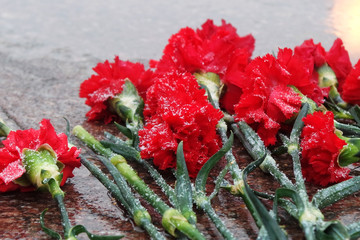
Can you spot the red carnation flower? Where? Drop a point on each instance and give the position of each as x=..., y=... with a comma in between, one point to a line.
x=351, y=86
x=320, y=150
x=108, y=82
x=337, y=58
x=267, y=100
x=217, y=49
x=303, y=75
x=312, y=52
x=339, y=61
x=208, y=49
x=11, y=155
x=177, y=110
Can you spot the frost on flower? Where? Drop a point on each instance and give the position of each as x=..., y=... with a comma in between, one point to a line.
x=11, y=155
x=176, y=109
x=267, y=100
x=217, y=49
x=303, y=76
x=108, y=82
x=320, y=150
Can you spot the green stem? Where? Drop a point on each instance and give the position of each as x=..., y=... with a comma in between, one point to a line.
x=204, y=203
x=141, y=216
x=293, y=150
x=140, y=186
x=59, y=198
x=229, y=156
x=120, y=147
x=256, y=149
x=58, y=195
x=131, y=205
x=115, y=192
x=171, y=216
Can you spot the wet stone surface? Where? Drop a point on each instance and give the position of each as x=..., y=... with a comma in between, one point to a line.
x=48, y=49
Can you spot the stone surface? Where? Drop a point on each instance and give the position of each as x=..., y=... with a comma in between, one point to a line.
x=48, y=48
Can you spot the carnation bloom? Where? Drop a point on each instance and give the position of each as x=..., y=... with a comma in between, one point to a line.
x=108, y=82
x=267, y=100
x=314, y=53
x=339, y=61
x=176, y=109
x=209, y=49
x=12, y=154
x=320, y=150
x=337, y=57
x=351, y=86
x=303, y=76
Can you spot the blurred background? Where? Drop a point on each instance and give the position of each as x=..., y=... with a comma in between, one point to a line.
x=139, y=29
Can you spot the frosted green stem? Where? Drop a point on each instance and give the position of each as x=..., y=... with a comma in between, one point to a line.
x=256, y=149
x=172, y=219
x=204, y=203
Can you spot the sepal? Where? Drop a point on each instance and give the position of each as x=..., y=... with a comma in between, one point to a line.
x=128, y=104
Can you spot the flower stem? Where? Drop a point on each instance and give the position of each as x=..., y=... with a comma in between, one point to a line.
x=204, y=203
x=256, y=149
x=59, y=198
x=131, y=205
x=293, y=150
x=58, y=195
x=172, y=219
x=229, y=156
x=120, y=147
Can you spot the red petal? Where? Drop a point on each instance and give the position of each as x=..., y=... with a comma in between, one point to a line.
x=339, y=61
x=12, y=171
x=351, y=86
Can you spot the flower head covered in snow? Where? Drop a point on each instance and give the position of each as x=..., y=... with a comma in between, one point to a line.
x=177, y=110
x=108, y=82
x=267, y=100
x=21, y=148
x=217, y=49
x=320, y=150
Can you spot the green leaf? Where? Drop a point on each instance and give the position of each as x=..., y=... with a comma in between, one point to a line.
x=210, y=99
x=299, y=124
x=68, y=129
x=285, y=192
x=354, y=230
x=76, y=230
x=334, y=193
x=250, y=140
x=272, y=227
x=203, y=174
x=48, y=231
x=123, y=149
x=124, y=130
x=184, y=199
x=348, y=130
x=219, y=181
x=355, y=112
x=332, y=230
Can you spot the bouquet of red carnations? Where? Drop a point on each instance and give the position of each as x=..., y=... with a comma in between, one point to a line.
x=181, y=114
